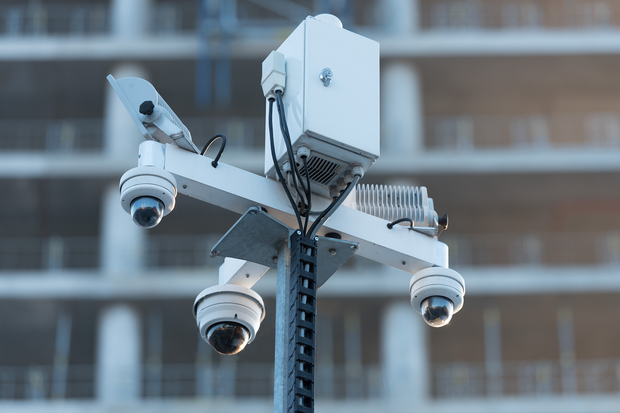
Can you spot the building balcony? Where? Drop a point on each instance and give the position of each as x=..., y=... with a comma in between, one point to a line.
x=550, y=249
x=80, y=136
x=243, y=18
x=202, y=381
x=526, y=379
x=51, y=136
x=514, y=143
x=563, y=142
x=76, y=147
x=82, y=254
x=491, y=264
x=193, y=251
x=251, y=29
x=524, y=132
x=537, y=15
x=549, y=385
x=249, y=17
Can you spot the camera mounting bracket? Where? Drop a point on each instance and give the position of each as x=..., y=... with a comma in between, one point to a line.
x=257, y=236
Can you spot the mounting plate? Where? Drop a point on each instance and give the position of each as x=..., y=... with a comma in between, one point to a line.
x=257, y=236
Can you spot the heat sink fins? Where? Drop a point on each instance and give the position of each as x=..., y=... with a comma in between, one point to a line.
x=394, y=202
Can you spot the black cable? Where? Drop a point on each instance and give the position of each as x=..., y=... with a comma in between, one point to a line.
x=277, y=168
x=308, y=188
x=318, y=223
x=289, y=149
x=322, y=214
x=295, y=174
x=302, y=195
x=219, y=153
x=284, y=129
x=398, y=221
x=303, y=159
x=287, y=135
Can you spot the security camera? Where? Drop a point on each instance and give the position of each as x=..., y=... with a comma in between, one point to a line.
x=228, y=317
x=437, y=293
x=148, y=194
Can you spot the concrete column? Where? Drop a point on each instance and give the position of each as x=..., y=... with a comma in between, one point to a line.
x=119, y=338
x=399, y=16
x=325, y=357
x=406, y=373
x=493, y=351
x=121, y=135
x=353, y=355
x=205, y=372
x=61, y=355
x=122, y=241
x=402, y=121
x=154, y=349
x=119, y=358
x=566, y=341
x=130, y=18
x=119, y=368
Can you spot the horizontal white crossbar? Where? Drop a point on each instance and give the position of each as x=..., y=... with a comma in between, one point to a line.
x=237, y=190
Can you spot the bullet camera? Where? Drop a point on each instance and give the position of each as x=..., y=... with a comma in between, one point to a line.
x=228, y=317
x=437, y=293
x=148, y=194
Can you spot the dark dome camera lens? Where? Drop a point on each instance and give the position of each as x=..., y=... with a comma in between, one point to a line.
x=437, y=311
x=228, y=338
x=147, y=212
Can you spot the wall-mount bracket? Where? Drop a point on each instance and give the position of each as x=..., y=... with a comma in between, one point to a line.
x=257, y=236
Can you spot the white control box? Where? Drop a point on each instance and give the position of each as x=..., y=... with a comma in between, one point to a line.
x=339, y=121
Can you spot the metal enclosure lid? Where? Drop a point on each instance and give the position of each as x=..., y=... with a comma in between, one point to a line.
x=340, y=121
x=345, y=113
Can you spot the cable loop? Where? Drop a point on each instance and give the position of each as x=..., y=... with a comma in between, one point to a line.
x=219, y=153
x=398, y=221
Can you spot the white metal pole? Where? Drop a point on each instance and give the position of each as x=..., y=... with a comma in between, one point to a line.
x=281, y=353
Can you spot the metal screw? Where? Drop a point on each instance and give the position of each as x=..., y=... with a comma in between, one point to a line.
x=326, y=76
x=247, y=276
x=184, y=186
x=252, y=212
x=298, y=232
x=403, y=262
x=316, y=238
x=353, y=247
x=332, y=251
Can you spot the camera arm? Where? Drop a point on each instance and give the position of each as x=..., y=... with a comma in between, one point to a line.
x=237, y=190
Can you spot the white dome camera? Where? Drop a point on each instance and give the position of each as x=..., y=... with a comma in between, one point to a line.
x=437, y=293
x=228, y=317
x=148, y=194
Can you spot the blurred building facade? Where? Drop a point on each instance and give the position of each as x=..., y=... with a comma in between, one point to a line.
x=507, y=110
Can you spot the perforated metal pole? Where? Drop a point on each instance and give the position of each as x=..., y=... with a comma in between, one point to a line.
x=295, y=326
x=281, y=355
x=302, y=319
